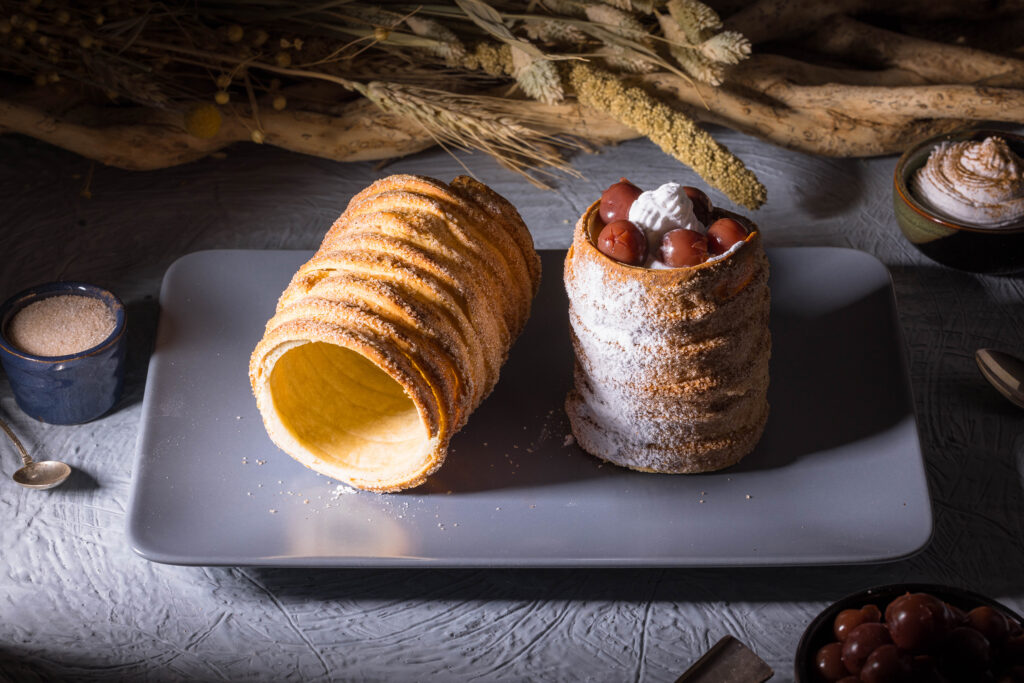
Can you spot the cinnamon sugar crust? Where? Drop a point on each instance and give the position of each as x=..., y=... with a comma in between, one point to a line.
x=393, y=333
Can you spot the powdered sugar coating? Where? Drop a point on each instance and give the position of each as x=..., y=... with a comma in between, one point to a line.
x=671, y=364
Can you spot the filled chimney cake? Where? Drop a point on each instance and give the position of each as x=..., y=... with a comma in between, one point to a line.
x=668, y=304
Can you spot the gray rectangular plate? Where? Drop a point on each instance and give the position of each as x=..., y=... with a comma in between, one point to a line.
x=837, y=478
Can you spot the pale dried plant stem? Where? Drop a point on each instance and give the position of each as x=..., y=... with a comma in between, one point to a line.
x=936, y=62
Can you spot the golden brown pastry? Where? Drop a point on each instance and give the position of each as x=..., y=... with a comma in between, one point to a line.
x=671, y=369
x=396, y=329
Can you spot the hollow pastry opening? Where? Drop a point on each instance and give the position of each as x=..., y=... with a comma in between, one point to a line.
x=346, y=411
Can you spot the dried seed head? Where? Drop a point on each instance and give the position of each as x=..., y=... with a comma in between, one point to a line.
x=221, y=97
x=280, y=102
x=537, y=77
x=223, y=81
x=624, y=59
x=86, y=41
x=618, y=22
x=700, y=67
x=259, y=37
x=283, y=59
x=494, y=59
x=696, y=19
x=257, y=137
x=381, y=34
x=554, y=31
x=728, y=47
x=203, y=120
x=235, y=33
x=448, y=46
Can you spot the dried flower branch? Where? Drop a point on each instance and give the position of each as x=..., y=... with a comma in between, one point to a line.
x=226, y=66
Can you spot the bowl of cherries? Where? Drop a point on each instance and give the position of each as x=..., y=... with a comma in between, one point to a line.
x=917, y=633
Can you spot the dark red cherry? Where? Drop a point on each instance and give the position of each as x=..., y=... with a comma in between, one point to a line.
x=849, y=619
x=966, y=653
x=990, y=622
x=829, y=662
x=955, y=616
x=886, y=665
x=701, y=204
x=918, y=622
x=624, y=242
x=616, y=200
x=861, y=642
x=682, y=247
x=724, y=233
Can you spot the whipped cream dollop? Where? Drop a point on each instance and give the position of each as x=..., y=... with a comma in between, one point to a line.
x=658, y=211
x=980, y=183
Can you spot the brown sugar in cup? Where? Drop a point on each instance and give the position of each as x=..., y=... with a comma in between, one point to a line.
x=80, y=378
x=671, y=371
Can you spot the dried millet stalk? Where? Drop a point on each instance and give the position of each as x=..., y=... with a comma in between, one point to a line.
x=671, y=130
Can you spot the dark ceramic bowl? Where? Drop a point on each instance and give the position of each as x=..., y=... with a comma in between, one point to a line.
x=976, y=249
x=65, y=389
x=819, y=632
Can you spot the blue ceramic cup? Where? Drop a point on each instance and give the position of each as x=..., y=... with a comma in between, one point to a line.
x=65, y=389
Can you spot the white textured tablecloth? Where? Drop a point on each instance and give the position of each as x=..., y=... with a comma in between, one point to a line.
x=77, y=604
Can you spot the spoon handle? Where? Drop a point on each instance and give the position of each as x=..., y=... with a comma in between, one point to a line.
x=24, y=454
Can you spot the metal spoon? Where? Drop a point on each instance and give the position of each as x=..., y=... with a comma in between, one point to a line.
x=1003, y=371
x=37, y=475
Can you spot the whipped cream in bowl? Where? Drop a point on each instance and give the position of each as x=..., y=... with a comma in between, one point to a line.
x=975, y=182
x=959, y=199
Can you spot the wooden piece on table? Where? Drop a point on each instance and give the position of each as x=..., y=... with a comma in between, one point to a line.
x=728, y=661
